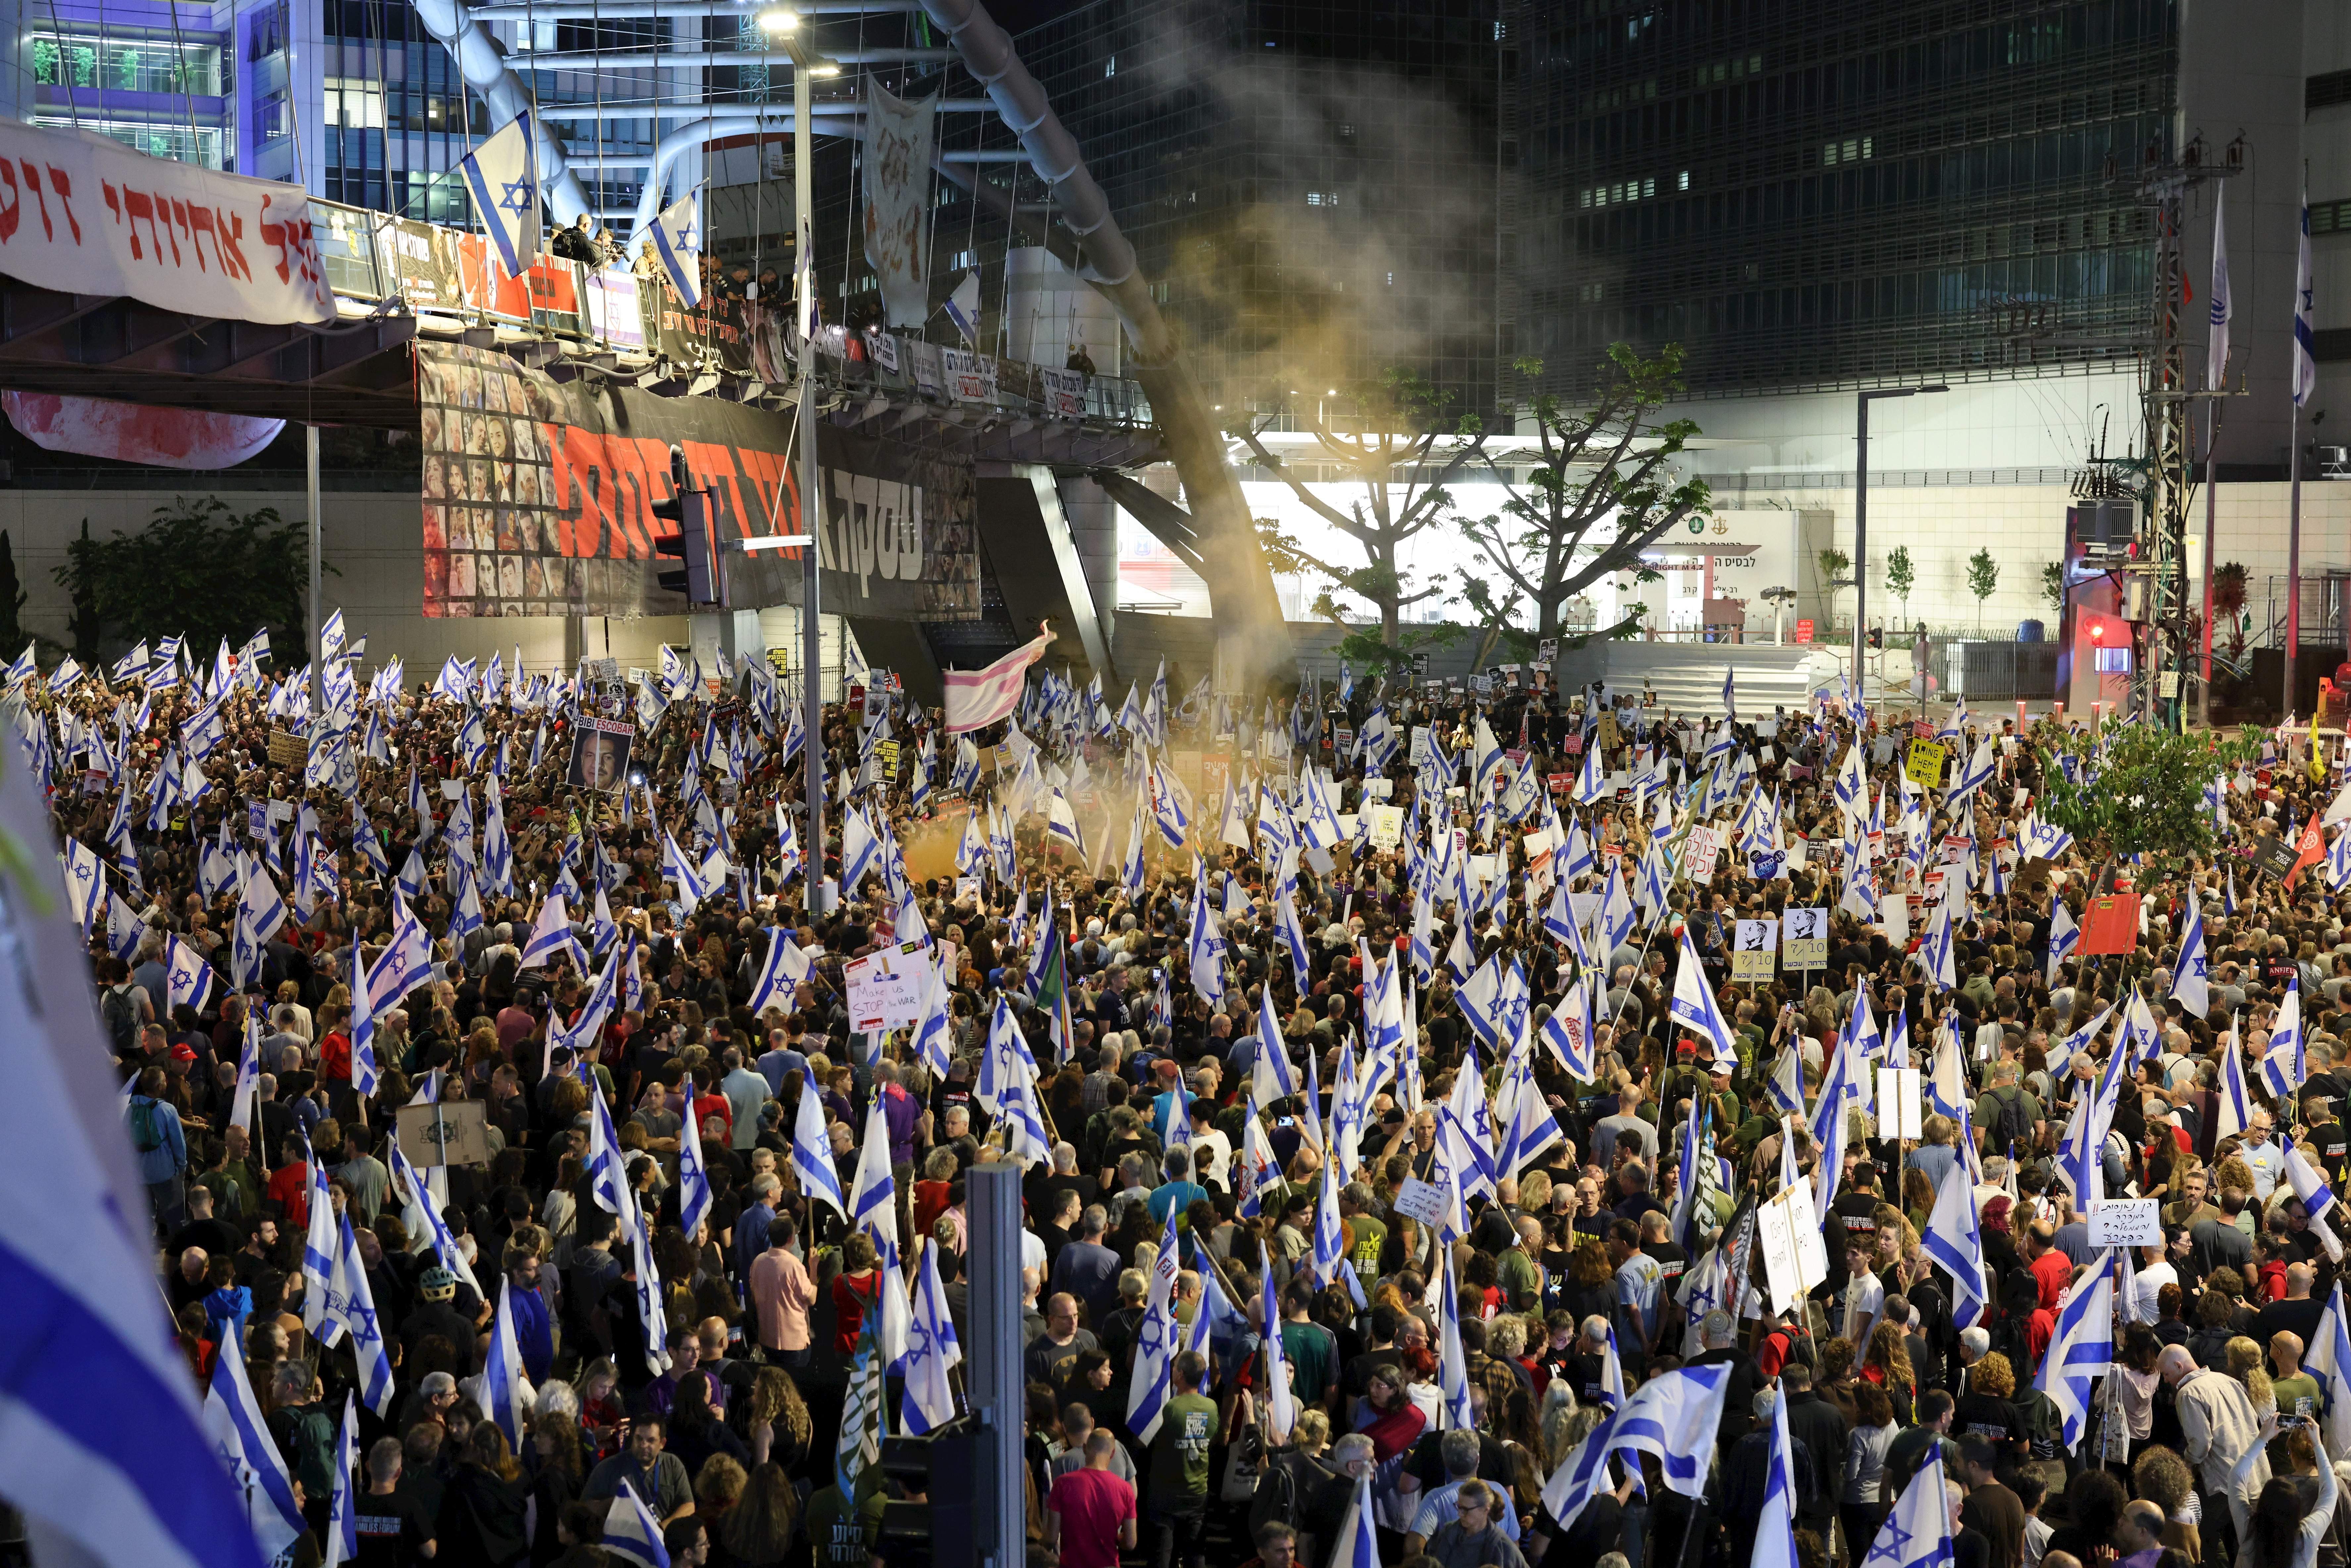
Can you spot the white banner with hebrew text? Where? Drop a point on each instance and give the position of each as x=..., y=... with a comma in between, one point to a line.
x=83, y=215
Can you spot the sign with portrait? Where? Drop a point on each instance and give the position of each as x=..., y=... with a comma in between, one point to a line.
x=599, y=753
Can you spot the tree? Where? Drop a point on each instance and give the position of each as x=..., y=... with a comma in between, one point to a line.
x=1394, y=454
x=1606, y=490
x=2052, y=585
x=2229, y=605
x=1983, y=581
x=2135, y=788
x=1901, y=577
x=199, y=570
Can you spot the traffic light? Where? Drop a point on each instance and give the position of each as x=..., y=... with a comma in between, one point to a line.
x=704, y=581
x=936, y=1524
x=1877, y=637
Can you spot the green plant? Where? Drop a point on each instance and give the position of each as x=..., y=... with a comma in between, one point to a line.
x=1901, y=577
x=198, y=570
x=85, y=66
x=1607, y=465
x=1833, y=564
x=2135, y=788
x=1983, y=581
x=44, y=62
x=2053, y=584
x=2229, y=603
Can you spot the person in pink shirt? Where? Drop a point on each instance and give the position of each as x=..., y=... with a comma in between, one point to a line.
x=783, y=1292
x=1090, y=1513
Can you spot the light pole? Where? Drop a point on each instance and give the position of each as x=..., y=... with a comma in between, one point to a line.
x=1860, y=526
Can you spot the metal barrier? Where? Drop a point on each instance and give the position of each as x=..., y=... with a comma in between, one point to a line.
x=1997, y=672
x=643, y=322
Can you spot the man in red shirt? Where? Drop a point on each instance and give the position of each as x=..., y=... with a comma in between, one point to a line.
x=335, y=1052
x=1090, y=1514
x=289, y=1185
x=2052, y=1270
x=708, y=1103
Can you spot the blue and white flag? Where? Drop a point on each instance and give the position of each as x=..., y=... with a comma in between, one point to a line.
x=963, y=307
x=405, y=965
x=2304, y=377
x=85, y=880
x=931, y=1349
x=2190, y=988
x=2236, y=1097
x=1674, y=1417
x=1358, y=1545
x=1917, y=1534
x=2082, y=1350
x=1955, y=1244
x=873, y=1191
x=811, y=1151
x=1775, y=1528
x=2284, y=1065
x=675, y=236
x=781, y=975
x=1453, y=1408
x=1329, y=1241
x=1151, y=1384
x=188, y=980
x=2328, y=1360
x=694, y=1198
x=1280, y=1412
x=1693, y=1006
x=502, y=1373
x=2216, y=346
x=240, y=1440
x=352, y=1310
x=2309, y=1186
x=342, y=1517
x=502, y=174
x=631, y=1531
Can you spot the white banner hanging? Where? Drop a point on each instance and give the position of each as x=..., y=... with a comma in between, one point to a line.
x=897, y=202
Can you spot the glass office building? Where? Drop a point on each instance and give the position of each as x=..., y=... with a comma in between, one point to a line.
x=1309, y=183
x=1811, y=192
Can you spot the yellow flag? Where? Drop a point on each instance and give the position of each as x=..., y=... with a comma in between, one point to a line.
x=2317, y=767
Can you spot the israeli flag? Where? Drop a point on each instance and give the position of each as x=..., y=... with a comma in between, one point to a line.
x=1568, y=1031
x=1955, y=1244
x=2328, y=1360
x=241, y=1441
x=85, y=882
x=873, y=1191
x=189, y=980
x=2236, y=1096
x=963, y=306
x=933, y=1042
x=2305, y=311
x=2190, y=987
x=631, y=1531
x=502, y=174
x=342, y=1517
x=503, y=1383
x=1329, y=1241
x=2318, y=1197
x=1453, y=1406
x=811, y=1154
x=931, y=1349
x=2081, y=1352
x=1155, y=1359
x=1674, y=1417
x=675, y=236
x=1693, y=1006
x=405, y=965
x=1917, y=1534
x=693, y=1194
x=781, y=975
x=2285, y=1067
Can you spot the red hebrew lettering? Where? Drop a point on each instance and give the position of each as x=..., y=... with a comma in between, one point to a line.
x=230, y=236
x=180, y=220
x=139, y=205
x=200, y=224
x=763, y=476
x=62, y=184
x=33, y=183
x=163, y=211
x=712, y=463
x=12, y=206
x=274, y=236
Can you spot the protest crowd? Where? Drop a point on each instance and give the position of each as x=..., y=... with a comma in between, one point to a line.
x=1434, y=1151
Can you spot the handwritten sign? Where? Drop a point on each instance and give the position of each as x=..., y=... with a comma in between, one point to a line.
x=2126, y=1222
x=1704, y=847
x=1924, y=764
x=1425, y=1201
x=885, y=989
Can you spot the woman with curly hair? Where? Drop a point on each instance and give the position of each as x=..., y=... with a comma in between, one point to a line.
x=776, y=1427
x=1987, y=1409
x=2163, y=1478
x=1591, y=1288
x=559, y=1465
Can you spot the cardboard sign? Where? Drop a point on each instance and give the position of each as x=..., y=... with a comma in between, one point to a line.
x=1795, y=1257
x=288, y=749
x=1387, y=827
x=1609, y=740
x=1754, y=951
x=2126, y=1222
x=454, y=1133
x=885, y=989
x=1547, y=651
x=1805, y=938
x=1924, y=765
x=1898, y=1102
x=1424, y=1201
x=1704, y=847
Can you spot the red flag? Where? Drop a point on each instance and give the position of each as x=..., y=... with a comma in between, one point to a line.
x=2109, y=926
x=2308, y=853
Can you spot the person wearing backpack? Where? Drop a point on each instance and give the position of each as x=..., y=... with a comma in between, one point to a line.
x=2010, y=1116
x=118, y=1007
x=162, y=1149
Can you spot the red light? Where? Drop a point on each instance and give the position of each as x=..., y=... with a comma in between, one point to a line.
x=2098, y=631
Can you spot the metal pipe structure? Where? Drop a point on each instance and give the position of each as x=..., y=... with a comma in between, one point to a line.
x=812, y=492
x=483, y=66
x=576, y=60
x=1252, y=643
x=1861, y=531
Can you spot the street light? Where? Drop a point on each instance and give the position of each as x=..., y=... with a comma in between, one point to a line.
x=779, y=19
x=1861, y=528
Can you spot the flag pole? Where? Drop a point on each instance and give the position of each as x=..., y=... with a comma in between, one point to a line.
x=2293, y=551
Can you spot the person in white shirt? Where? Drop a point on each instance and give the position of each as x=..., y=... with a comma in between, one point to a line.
x=1864, y=1298
x=2155, y=1271
x=2261, y=1157
x=1212, y=1152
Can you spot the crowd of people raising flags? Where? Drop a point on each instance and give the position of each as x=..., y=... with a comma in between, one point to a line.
x=1434, y=1150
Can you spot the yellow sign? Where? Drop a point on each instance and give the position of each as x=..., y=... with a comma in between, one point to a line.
x=887, y=751
x=1924, y=763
